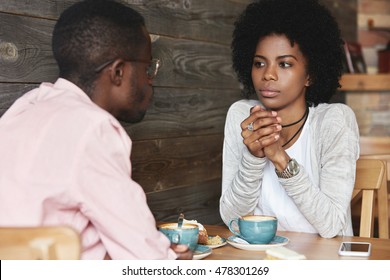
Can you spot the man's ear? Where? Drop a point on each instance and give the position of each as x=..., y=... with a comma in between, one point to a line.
x=117, y=71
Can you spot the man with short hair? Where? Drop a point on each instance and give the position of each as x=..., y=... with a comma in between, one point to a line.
x=65, y=158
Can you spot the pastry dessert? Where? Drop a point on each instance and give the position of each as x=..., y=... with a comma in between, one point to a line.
x=215, y=240
x=203, y=236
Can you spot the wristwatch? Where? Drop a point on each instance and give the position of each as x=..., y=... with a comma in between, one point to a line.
x=291, y=170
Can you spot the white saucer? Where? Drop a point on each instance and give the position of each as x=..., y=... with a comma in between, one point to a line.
x=223, y=243
x=201, y=252
x=276, y=242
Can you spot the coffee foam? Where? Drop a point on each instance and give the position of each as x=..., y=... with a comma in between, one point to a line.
x=174, y=226
x=258, y=218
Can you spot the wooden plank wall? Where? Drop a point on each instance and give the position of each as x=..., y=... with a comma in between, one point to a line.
x=177, y=147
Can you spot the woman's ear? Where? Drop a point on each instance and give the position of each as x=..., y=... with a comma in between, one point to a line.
x=308, y=81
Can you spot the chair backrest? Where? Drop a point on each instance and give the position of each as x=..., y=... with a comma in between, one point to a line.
x=370, y=186
x=39, y=243
x=384, y=157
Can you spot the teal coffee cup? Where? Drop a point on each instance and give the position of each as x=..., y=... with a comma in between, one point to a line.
x=255, y=229
x=188, y=234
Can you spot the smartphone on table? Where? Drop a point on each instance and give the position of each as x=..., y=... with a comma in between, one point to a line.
x=355, y=249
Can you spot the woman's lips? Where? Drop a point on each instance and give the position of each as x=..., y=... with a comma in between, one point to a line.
x=268, y=92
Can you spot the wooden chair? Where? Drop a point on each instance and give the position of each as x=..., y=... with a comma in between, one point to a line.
x=377, y=147
x=39, y=243
x=370, y=186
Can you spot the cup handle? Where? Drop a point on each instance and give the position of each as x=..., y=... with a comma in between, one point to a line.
x=176, y=238
x=231, y=226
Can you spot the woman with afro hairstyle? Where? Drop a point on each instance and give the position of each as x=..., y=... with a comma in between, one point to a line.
x=288, y=153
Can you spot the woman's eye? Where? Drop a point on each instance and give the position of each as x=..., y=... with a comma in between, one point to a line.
x=285, y=64
x=258, y=64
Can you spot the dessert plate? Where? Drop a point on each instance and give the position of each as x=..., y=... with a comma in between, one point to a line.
x=213, y=246
x=201, y=252
x=242, y=244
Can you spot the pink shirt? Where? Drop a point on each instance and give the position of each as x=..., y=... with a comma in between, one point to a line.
x=66, y=161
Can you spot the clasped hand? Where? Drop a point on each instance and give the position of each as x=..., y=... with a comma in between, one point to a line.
x=263, y=139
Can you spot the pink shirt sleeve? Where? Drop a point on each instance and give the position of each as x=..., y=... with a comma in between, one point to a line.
x=114, y=203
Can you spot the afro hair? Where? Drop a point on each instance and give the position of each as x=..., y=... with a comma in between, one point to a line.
x=305, y=23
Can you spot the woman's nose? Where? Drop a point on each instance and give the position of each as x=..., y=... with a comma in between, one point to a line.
x=270, y=74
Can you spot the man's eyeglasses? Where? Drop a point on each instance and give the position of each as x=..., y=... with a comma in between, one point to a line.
x=151, y=71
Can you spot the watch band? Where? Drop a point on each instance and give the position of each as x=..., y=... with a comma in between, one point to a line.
x=291, y=170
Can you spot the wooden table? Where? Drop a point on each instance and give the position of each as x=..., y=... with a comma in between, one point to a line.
x=312, y=246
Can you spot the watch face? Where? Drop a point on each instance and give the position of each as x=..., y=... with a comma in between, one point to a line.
x=293, y=167
x=291, y=170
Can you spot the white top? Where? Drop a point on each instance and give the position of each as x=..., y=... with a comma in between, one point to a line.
x=274, y=200
x=323, y=188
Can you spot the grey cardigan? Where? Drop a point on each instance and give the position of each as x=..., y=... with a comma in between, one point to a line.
x=325, y=201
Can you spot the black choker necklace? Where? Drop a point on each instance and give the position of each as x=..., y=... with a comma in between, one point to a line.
x=304, y=115
x=300, y=128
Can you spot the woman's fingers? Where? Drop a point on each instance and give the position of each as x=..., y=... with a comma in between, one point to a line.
x=260, y=130
x=256, y=108
x=259, y=123
x=257, y=147
x=261, y=133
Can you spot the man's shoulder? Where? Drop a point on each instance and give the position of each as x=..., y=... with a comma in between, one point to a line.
x=70, y=107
